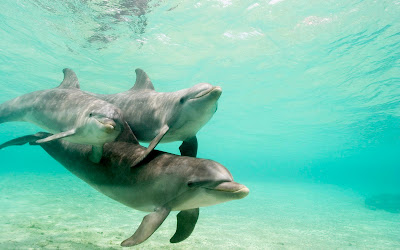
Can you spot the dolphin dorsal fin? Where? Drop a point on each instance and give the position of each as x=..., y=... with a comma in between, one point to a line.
x=142, y=81
x=70, y=80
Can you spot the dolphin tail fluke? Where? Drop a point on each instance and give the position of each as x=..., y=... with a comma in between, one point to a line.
x=152, y=145
x=187, y=220
x=31, y=139
x=148, y=226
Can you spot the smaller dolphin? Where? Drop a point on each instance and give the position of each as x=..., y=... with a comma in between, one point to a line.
x=160, y=184
x=165, y=117
x=68, y=113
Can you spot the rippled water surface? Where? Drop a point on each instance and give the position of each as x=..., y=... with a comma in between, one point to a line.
x=311, y=94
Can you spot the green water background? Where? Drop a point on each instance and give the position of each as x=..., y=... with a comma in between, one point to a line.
x=311, y=89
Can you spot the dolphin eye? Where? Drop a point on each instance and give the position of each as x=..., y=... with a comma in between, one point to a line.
x=182, y=100
x=190, y=184
x=91, y=114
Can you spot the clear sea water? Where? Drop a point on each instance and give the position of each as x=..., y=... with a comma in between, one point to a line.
x=309, y=118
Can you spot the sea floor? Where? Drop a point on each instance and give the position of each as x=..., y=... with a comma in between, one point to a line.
x=60, y=211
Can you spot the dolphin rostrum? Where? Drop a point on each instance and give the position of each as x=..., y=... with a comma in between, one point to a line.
x=161, y=183
x=165, y=117
x=68, y=113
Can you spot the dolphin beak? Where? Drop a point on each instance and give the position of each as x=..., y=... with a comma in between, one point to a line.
x=109, y=125
x=239, y=190
x=216, y=90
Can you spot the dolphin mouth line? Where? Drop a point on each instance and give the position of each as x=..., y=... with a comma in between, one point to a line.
x=225, y=187
x=206, y=92
x=108, y=124
x=226, y=190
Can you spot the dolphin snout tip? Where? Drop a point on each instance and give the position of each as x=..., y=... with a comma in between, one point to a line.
x=218, y=88
x=243, y=192
x=217, y=91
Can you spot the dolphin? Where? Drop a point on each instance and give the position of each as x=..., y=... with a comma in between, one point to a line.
x=165, y=117
x=160, y=184
x=68, y=113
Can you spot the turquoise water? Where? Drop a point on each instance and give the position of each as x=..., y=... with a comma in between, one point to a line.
x=309, y=118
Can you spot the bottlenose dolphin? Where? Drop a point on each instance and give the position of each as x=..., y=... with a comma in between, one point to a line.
x=161, y=183
x=165, y=117
x=68, y=113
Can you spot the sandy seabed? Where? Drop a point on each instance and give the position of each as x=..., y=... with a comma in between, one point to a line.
x=60, y=211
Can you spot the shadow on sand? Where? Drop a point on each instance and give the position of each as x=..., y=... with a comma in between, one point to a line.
x=387, y=202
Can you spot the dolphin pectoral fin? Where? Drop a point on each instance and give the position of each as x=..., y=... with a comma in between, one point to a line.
x=187, y=220
x=23, y=140
x=152, y=145
x=149, y=225
x=96, y=154
x=57, y=136
x=158, y=138
x=189, y=147
x=127, y=135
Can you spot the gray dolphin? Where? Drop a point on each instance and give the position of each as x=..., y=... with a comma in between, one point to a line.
x=165, y=117
x=161, y=183
x=68, y=113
